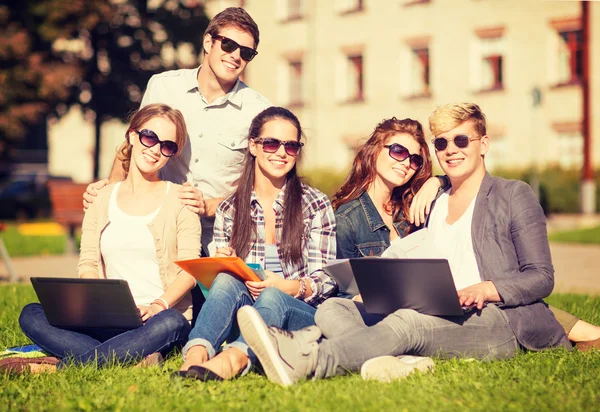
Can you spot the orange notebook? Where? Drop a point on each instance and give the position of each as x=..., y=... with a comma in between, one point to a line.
x=206, y=269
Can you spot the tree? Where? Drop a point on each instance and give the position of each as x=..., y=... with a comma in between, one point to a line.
x=34, y=79
x=97, y=54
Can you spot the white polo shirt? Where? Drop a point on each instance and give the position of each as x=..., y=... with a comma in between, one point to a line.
x=212, y=159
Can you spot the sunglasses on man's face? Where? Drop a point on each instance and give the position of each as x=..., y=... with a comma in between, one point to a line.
x=271, y=145
x=229, y=46
x=401, y=153
x=461, y=141
x=148, y=138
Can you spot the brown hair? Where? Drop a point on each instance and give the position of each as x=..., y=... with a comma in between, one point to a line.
x=449, y=116
x=243, y=232
x=363, y=170
x=139, y=118
x=236, y=17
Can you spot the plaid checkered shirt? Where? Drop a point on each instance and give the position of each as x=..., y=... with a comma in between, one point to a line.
x=318, y=241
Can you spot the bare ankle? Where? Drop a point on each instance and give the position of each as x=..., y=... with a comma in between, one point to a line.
x=239, y=360
x=196, y=355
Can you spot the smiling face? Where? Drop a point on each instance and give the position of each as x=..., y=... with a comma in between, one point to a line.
x=149, y=160
x=274, y=166
x=460, y=164
x=391, y=172
x=227, y=67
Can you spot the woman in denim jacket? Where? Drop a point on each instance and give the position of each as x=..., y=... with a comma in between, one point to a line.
x=372, y=206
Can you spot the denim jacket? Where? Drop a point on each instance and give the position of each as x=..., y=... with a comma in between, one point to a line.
x=361, y=230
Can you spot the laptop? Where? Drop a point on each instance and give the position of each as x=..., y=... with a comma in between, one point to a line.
x=73, y=303
x=341, y=272
x=425, y=285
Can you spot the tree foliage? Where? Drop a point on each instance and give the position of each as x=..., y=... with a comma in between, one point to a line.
x=97, y=54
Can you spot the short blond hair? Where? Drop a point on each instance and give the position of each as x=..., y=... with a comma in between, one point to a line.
x=449, y=116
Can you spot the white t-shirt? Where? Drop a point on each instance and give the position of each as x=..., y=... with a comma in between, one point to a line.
x=454, y=242
x=129, y=253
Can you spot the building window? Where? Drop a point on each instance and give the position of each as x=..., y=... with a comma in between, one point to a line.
x=566, y=57
x=349, y=6
x=415, y=68
x=354, y=78
x=489, y=71
x=349, y=75
x=570, y=147
x=295, y=83
x=570, y=144
x=289, y=10
x=570, y=56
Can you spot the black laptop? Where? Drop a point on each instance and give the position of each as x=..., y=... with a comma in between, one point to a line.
x=73, y=303
x=425, y=285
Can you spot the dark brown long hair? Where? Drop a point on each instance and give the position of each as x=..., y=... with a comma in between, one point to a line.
x=363, y=168
x=244, y=231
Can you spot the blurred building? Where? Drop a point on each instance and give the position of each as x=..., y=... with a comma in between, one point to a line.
x=344, y=65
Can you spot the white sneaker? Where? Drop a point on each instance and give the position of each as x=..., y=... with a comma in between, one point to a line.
x=390, y=368
x=286, y=357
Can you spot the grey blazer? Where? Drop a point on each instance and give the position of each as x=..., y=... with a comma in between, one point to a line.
x=511, y=248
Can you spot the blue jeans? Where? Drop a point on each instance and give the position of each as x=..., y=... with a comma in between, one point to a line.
x=159, y=334
x=217, y=321
x=355, y=336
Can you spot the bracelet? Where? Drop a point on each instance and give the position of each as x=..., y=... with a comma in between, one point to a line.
x=161, y=302
x=301, y=290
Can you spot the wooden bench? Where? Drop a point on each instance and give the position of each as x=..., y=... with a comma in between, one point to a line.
x=67, y=207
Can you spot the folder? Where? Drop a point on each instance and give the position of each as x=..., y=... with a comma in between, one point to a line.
x=206, y=269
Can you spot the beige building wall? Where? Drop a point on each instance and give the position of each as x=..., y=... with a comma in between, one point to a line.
x=522, y=135
x=384, y=32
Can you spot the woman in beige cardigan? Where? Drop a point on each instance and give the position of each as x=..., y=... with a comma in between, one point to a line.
x=134, y=231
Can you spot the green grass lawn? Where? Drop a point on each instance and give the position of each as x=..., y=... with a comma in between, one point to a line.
x=589, y=235
x=549, y=380
x=18, y=244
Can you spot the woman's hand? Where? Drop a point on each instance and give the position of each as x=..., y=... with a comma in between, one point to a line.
x=290, y=287
x=146, y=312
x=421, y=203
x=225, y=252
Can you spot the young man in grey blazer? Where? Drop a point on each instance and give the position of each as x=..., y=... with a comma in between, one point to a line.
x=493, y=233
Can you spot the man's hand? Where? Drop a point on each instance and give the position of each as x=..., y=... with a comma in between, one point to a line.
x=421, y=203
x=192, y=198
x=91, y=191
x=478, y=294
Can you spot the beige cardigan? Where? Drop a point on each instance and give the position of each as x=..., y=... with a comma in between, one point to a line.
x=176, y=231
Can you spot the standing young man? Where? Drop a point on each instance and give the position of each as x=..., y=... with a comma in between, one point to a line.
x=218, y=108
x=493, y=233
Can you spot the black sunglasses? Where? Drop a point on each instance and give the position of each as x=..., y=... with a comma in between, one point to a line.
x=148, y=138
x=461, y=141
x=271, y=145
x=229, y=46
x=401, y=153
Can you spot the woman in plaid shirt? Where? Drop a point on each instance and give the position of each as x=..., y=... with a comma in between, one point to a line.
x=275, y=220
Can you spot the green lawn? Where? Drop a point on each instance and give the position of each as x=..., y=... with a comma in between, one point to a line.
x=550, y=380
x=21, y=245
x=589, y=235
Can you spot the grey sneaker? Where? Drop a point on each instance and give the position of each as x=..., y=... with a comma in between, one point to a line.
x=285, y=356
x=390, y=368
